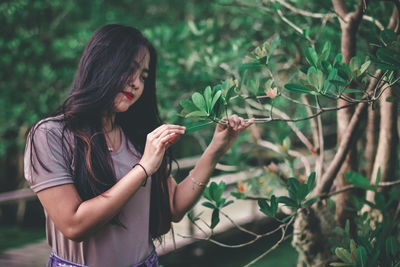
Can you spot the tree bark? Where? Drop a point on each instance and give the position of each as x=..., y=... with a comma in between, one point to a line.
x=386, y=152
x=371, y=137
x=386, y=155
x=349, y=26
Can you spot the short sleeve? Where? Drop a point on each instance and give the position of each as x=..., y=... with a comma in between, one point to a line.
x=47, y=148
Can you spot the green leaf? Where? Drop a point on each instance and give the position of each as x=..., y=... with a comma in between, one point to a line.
x=208, y=205
x=338, y=60
x=310, y=201
x=293, y=187
x=378, y=177
x=326, y=66
x=188, y=105
x=358, y=180
x=354, y=64
x=228, y=203
x=388, y=56
x=215, y=99
x=379, y=200
x=192, y=217
x=206, y=193
x=274, y=205
x=196, y=114
x=195, y=126
x=274, y=44
x=388, y=36
x=344, y=255
x=391, y=246
x=297, y=88
x=208, y=98
x=364, y=66
x=339, y=83
x=230, y=93
x=311, y=56
x=325, y=51
x=315, y=78
x=214, y=218
x=287, y=201
x=199, y=101
x=267, y=209
x=216, y=190
x=361, y=256
x=306, y=32
x=238, y=195
x=311, y=181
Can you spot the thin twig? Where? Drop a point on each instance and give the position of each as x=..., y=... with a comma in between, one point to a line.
x=237, y=225
x=274, y=246
x=351, y=187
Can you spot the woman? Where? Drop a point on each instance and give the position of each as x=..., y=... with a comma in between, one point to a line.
x=101, y=165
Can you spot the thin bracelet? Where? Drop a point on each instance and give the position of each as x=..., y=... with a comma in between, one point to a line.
x=147, y=176
x=200, y=184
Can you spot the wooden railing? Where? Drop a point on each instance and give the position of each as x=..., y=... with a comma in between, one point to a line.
x=22, y=196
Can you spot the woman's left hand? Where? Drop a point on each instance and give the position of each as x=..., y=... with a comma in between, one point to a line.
x=226, y=133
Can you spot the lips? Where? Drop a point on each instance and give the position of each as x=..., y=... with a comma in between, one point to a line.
x=128, y=95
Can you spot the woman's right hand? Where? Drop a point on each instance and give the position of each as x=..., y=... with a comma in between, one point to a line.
x=156, y=143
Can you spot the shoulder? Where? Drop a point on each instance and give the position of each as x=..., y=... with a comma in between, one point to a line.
x=53, y=124
x=53, y=127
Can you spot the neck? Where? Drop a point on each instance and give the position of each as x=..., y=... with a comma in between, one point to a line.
x=108, y=123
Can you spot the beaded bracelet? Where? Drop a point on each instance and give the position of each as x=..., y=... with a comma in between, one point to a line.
x=200, y=184
x=147, y=176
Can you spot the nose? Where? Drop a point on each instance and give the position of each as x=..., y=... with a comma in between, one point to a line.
x=135, y=82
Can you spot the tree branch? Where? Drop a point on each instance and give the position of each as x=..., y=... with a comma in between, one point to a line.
x=346, y=141
x=340, y=8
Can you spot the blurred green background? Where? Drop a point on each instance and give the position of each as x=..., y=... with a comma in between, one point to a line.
x=199, y=42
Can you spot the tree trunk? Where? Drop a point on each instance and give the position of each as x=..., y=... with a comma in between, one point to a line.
x=348, y=49
x=371, y=138
x=386, y=155
x=311, y=228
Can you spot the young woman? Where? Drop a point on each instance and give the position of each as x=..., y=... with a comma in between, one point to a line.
x=100, y=165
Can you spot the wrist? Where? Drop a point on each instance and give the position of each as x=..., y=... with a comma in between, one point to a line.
x=213, y=154
x=143, y=169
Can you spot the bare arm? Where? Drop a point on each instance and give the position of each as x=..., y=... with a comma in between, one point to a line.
x=185, y=195
x=78, y=219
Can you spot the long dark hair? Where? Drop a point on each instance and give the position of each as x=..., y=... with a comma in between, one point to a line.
x=108, y=61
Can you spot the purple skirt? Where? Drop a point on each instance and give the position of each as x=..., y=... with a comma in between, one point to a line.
x=56, y=261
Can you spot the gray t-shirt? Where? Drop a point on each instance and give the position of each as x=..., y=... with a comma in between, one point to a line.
x=112, y=245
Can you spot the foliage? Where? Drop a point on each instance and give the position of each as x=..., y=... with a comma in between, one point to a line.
x=376, y=243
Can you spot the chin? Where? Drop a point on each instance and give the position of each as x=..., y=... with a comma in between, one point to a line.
x=122, y=108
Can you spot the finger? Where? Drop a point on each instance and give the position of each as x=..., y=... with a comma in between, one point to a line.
x=165, y=140
x=242, y=124
x=167, y=136
x=235, y=121
x=167, y=127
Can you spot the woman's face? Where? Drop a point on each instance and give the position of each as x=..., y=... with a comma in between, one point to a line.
x=135, y=85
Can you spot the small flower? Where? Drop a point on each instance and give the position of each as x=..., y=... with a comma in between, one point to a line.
x=233, y=82
x=261, y=180
x=259, y=52
x=272, y=167
x=271, y=93
x=302, y=178
x=242, y=187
